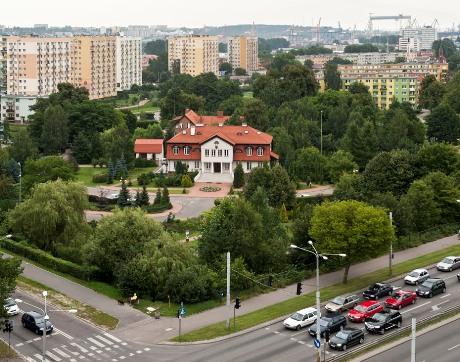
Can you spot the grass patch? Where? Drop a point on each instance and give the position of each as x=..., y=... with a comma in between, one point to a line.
x=280, y=309
x=85, y=176
x=248, y=94
x=170, y=309
x=148, y=107
x=85, y=311
x=6, y=352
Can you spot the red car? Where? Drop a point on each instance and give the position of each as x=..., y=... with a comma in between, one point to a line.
x=400, y=299
x=364, y=310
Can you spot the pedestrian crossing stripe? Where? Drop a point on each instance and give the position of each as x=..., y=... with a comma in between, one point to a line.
x=112, y=337
x=61, y=353
x=53, y=356
x=97, y=343
x=105, y=340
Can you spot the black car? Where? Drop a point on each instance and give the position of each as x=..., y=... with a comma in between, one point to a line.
x=431, y=287
x=36, y=322
x=328, y=324
x=377, y=291
x=347, y=338
x=458, y=277
x=381, y=322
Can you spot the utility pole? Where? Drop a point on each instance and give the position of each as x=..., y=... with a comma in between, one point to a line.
x=20, y=183
x=228, y=290
x=391, y=246
x=412, y=345
x=321, y=137
x=44, y=293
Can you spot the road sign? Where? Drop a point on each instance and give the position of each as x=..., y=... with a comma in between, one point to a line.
x=317, y=343
x=182, y=311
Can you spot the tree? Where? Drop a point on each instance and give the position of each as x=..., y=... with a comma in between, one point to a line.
x=309, y=165
x=431, y=92
x=156, y=47
x=186, y=181
x=238, y=176
x=358, y=88
x=361, y=48
x=452, y=97
x=152, y=131
x=45, y=169
x=432, y=157
x=240, y=71
x=256, y=115
x=22, y=147
x=123, y=196
x=332, y=76
x=180, y=168
x=165, y=196
x=283, y=145
x=226, y=68
x=230, y=105
x=339, y=163
x=157, y=200
x=54, y=213
x=10, y=270
x=359, y=230
x=82, y=149
x=349, y=187
x=55, y=132
x=443, y=124
x=117, y=143
x=144, y=199
x=445, y=46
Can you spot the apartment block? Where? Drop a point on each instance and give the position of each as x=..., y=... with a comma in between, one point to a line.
x=94, y=65
x=355, y=58
x=193, y=54
x=387, y=82
x=3, y=64
x=35, y=66
x=128, y=62
x=243, y=53
x=416, y=39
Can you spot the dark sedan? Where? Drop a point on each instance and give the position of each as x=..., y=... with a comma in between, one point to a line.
x=329, y=324
x=347, y=338
x=36, y=323
x=378, y=290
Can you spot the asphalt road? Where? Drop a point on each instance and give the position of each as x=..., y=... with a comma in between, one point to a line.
x=439, y=345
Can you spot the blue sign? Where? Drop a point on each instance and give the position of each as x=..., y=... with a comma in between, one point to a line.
x=317, y=343
x=182, y=311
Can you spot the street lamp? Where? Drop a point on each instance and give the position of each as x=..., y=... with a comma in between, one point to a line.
x=318, y=296
x=20, y=183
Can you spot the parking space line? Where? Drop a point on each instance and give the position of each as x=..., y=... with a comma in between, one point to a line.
x=420, y=305
x=301, y=342
x=39, y=357
x=451, y=348
x=19, y=344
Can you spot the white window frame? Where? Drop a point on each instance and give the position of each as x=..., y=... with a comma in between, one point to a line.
x=226, y=153
x=213, y=153
x=207, y=166
x=226, y=166
x=260, y=151
x=249, y=151
x=175, y=150
x=206, y=153
x=248, y=165
x=187, y=150
x=197, y=164
x=219, y=153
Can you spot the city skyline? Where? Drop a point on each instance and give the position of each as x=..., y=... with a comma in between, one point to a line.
x=206, y=13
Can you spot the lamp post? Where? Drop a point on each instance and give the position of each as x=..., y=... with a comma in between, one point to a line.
x=324, y=256
x=20, y=182
x=391, y=246
x=321, y=131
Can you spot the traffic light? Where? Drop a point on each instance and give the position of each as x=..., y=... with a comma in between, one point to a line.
x=178, y=313
x=299, y=288
x=270, y=280
x=237, y=303
x=327, y=335
x=8, y=327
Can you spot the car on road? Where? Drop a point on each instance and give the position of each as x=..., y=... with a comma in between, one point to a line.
x=458, y=277
x=36, y=323
x=431, y=287
x=377, y=291
x=10, y=306
x=416, y=276
x=401, y=298
x=383, y=321
x=340, y=304
x=364, y=310
x=301, y=318
x=449, y=263
x=347, y=338
x=328, y=324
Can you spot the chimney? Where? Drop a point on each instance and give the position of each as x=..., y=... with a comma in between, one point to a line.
x=244, y=124
x=221, y=124
x=192, y=131
x=220, y=114
x=246, y=132
x=184, y=131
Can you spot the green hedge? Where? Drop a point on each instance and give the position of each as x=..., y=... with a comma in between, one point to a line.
x=49, y=261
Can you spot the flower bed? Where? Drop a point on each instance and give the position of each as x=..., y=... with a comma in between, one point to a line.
x=210, y=188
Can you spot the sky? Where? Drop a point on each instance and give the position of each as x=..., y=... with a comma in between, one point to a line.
x=197, y=13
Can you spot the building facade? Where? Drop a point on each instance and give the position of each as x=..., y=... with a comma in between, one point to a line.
x=243, y=52
x=193, y=54
x=128, y=62
x=3, y=64
x=419, y=38
x=191, y=118
x=14, y=108
x=389, y=82
x=217, y=150
x=149, y=149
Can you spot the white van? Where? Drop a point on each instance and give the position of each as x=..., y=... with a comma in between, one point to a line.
x=301, y=318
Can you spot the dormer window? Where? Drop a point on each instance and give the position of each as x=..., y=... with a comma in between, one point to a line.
x=175, y=150
x=249, y=151
x=260, y=151
x=187, y=150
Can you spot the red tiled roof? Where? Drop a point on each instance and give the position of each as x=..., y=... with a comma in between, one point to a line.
x=143, y=145
x=243, y=135
x=205, y=120
x=274, y=155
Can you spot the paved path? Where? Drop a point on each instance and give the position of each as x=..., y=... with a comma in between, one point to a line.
x=140, y=104
x=316, y=190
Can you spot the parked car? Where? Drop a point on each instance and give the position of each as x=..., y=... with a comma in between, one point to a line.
x=416, y=276
x=364, y=310
x=300, y=319
x=449, y=263
x=377, y=291
x=36, y=323
x=431, y=287
x=401, y=298
x=383, y=321
x=340, y=304
x=329, y=324
x=10, y=306
x=458, y=277
x=347, y=338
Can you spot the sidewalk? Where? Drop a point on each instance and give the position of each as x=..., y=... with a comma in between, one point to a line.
x=135, y=326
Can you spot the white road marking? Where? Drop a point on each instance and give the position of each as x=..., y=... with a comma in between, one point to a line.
x=19, y=344
x=276, y=332
x=146, y=349
x=37, y=339
x=53, y=356
x=293, y=339
x=436, y=307
x=116, y=346
x=170, y=329
x=124, y=343
x=97, y=343
x=61, y=353
x=296, y=334
x=112, y=337
x=108, y=348
x=39, y=357
x=139, y=352
x=73, y=360
x=63, y=333
x=105, y=340
x=444, y=296
x=82, y=357
x=451, y=348
x=91, y=354
x=122, y=357
x=84, y=350
x=301, y=342
x=420, y=305
x=131, y=354
x=266, y=328
x=64, y=347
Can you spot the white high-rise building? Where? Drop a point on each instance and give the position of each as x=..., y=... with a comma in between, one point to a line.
x=423, y=38
x=129, y=62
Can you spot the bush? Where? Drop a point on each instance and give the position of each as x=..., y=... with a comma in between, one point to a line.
x=152, y=209
x=186, y=181
x=144, y=163
x=145, y=178
x=100, y=178
x=47, y=260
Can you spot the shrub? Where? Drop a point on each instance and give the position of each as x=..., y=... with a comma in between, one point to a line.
x=47, y=260
x=144, y=163
x=152, y=209
x=100, y=178
x=186, y=181
x=145, y=178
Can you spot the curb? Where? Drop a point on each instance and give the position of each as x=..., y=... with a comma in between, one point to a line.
x=400, y=341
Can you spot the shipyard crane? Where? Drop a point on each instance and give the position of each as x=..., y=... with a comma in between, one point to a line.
x=373, y=18
x=318, y=28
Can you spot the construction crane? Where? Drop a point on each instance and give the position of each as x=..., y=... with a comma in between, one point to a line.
x=318, y=28
x=373, y=18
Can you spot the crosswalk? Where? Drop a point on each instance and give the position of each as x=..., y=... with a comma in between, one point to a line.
x=98, y=347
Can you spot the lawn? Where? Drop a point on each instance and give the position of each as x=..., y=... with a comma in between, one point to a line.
x=148, y=107
x=85, y=175
x=284, y=308
x=14, y=127
x=248, y=94
x=5, y=352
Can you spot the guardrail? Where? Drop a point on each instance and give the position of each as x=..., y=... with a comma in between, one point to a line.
x=397, y=334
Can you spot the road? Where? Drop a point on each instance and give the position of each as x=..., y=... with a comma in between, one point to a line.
x=439, y=345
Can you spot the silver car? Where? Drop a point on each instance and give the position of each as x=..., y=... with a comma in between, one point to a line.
x=340, y=304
